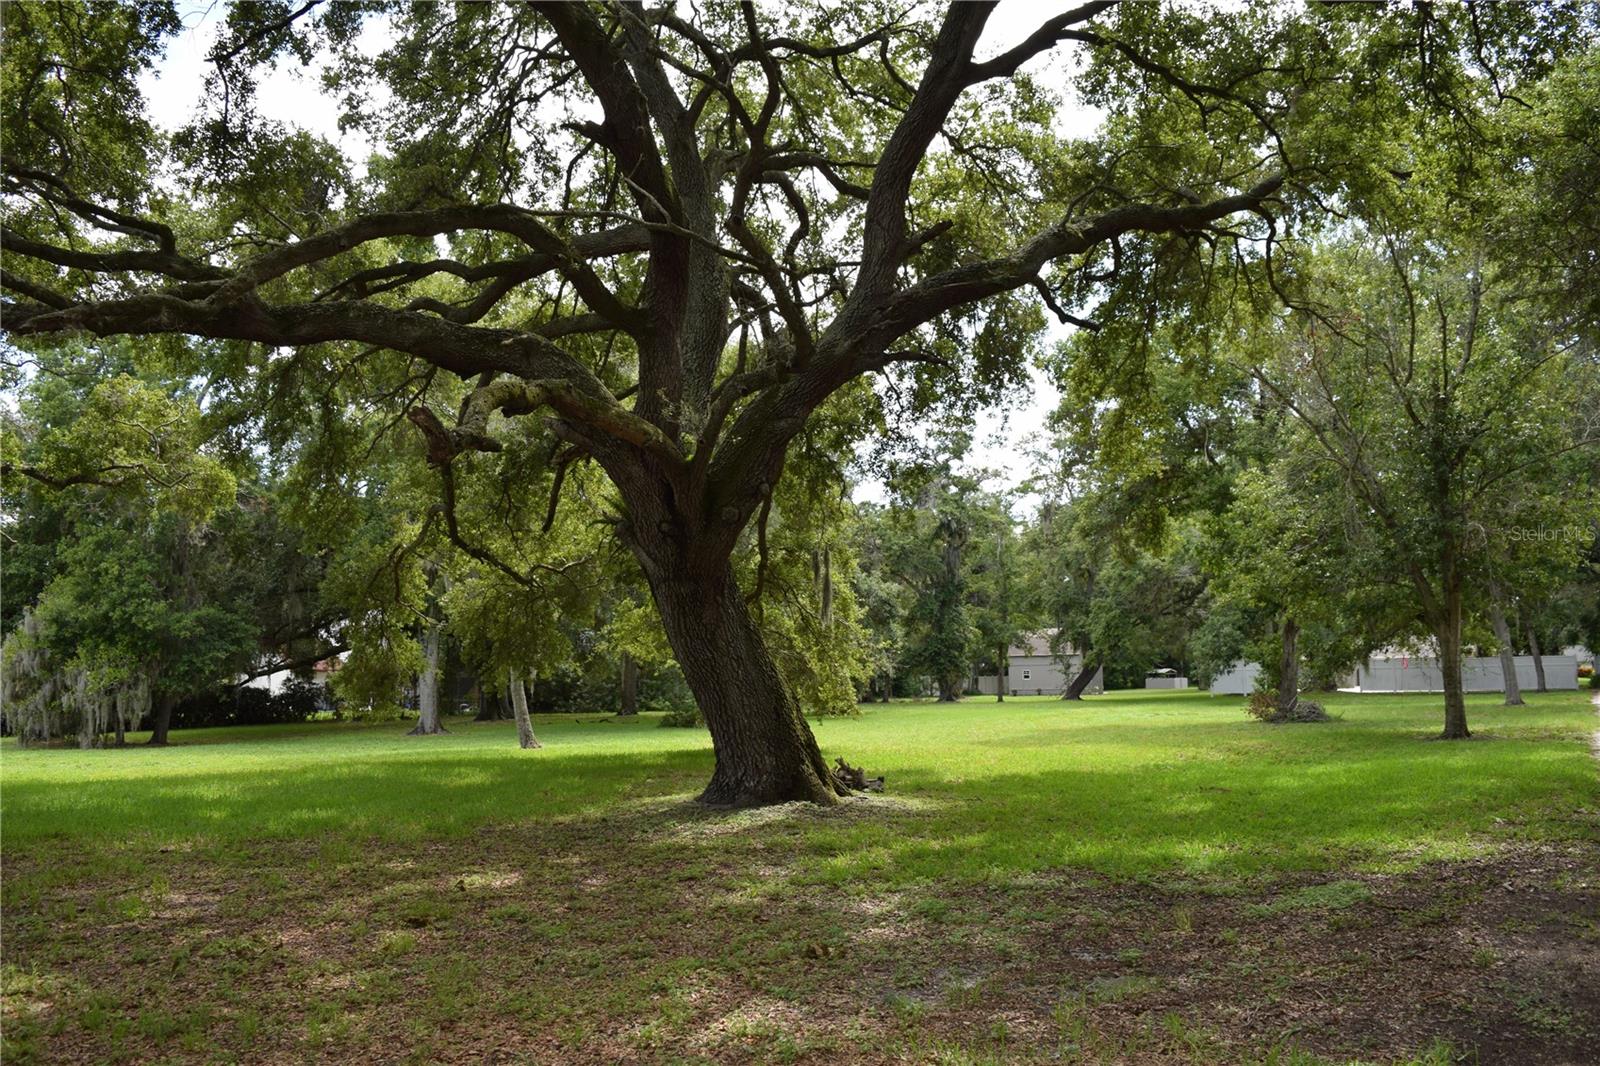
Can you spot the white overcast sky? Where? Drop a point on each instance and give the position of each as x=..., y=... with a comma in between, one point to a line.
x=295, y=97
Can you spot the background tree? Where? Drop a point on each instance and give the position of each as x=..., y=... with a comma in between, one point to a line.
x=1282, y=571
x=1440, y=398
x=1062, y=565
x=1000, y=596
x=927, y=536
x=886, y=600
x=129, y=553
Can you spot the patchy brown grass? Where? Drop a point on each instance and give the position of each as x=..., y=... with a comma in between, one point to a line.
x=668, y=934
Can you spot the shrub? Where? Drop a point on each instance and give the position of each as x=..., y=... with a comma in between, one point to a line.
x=295, y=702
x=594, y=686
x=683, y=717
x=1263, y=707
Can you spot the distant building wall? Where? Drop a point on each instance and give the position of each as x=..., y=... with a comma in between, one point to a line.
x=1040, y=675
x=1237, y=680
x=1478, y=674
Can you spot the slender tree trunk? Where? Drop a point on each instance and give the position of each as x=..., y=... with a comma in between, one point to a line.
x=1080, y=682
x=161, y=719
x=1538, y=657
x=630, y=685
x=428, y=685
x=1002, y=672
x=1448, y=634
x=1289, y=668
x=825, y=615
x=519, y=707
x=888, y=685
x=765, y=752
x=1508, y=662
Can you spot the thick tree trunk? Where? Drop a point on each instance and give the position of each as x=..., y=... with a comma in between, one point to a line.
x=630, y=685
x=519, y=707
x=1085, y=675
x=428, y=685
x=949, y=690
x=1289, y=668
x=490, y=709
x=161, y=719
x=765, y=752
x=1448, y=633
x=1002, y=672
x=1538, y=658
x=1508, y=662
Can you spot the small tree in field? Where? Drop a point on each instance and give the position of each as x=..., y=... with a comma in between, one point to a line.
x=1441, y=399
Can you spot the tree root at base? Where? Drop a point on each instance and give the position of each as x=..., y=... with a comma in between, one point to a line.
x=854, y=779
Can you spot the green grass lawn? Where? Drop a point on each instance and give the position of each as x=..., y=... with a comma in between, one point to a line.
x=378, y=868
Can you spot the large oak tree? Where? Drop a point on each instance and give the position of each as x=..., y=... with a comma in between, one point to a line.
x=675, y=237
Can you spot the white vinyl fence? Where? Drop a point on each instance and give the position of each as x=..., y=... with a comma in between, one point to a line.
x=1237, y=680
x=1478, y=674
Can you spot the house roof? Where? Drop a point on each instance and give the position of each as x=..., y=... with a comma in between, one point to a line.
x=1037, y=644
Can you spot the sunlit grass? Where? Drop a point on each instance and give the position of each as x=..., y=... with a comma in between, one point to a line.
x=1128, y=784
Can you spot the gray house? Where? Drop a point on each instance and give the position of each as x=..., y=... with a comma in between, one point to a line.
x=1032, y=670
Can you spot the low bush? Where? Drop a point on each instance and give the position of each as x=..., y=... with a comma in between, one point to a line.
x=683, y=717
x=1263, y=707
x=295, y=702
x=596, y=686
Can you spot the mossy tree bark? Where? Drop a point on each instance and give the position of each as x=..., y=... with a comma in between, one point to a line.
x=765, y=750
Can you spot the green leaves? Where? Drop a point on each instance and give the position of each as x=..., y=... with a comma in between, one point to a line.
x=69, y=97
x=135, y=439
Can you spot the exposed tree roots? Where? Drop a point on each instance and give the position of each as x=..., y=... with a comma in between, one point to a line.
x=854, y=779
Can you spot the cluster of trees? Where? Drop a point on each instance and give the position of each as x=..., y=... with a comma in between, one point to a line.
x=165, y=546
x=1381, y=429
x=586, y=343
x=1234, y=535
